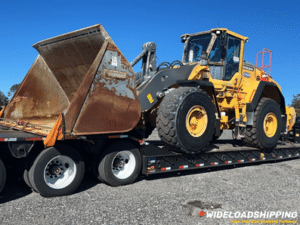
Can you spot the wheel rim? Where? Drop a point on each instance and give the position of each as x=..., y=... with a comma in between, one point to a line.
x=60, y=172
x=123, y=164
x=270, y=124
x=196, y=121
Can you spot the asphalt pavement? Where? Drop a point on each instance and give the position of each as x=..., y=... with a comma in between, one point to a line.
x=171, y=198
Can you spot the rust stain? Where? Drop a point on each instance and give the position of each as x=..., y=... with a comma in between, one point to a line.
x=77, y=102
x=82, y=74
x=39, y=96
x=111, y=105
x=106, y=112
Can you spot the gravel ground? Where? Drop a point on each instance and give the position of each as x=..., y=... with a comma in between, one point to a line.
x=170, y=198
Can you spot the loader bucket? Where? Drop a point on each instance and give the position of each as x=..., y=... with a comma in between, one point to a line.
x=83, y=75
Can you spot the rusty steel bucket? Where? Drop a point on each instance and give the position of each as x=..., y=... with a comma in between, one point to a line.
x=83, y=75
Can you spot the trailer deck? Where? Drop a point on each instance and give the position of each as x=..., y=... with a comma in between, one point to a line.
x=9, y=134
x=158, y=159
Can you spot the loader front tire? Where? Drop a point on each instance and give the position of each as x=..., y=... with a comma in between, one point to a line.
x=267, y=125
x=186, y=119
x=2, y=175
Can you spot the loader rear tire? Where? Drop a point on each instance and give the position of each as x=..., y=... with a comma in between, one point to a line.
x=186, y=119
x=267, y=125
x=2, y=175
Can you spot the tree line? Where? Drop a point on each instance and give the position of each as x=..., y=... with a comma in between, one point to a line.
x=4, y=99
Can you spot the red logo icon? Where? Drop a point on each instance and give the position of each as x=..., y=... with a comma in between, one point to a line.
x=201, y=213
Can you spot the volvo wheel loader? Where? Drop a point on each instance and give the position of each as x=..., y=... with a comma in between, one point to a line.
x=211, y=90
x=82, y=107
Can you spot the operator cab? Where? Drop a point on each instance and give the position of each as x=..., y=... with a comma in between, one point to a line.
x=219, y=49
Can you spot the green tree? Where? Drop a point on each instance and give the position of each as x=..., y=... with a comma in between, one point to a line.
x=3, y=99
x=296, y=103
x=13, y=89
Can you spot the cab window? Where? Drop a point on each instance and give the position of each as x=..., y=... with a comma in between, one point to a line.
x=216, y=51
x=232, y=57
x=196, y=46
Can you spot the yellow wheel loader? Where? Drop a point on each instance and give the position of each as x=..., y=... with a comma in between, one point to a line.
x=81, y=106
x=211, y=90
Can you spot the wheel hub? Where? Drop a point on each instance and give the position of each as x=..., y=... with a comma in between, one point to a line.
x=270, y=124
x=123, y=165
x=54, y=169
x=119, y=163
x=196, y=121
x=59, y=172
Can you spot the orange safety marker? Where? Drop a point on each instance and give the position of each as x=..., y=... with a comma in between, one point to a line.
x=55, y=134
x=2, y=111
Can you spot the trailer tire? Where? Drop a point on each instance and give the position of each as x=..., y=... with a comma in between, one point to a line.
x=2, y=175
x=26, y=178
x=186, y=119
x=29, y=160
x=95, y=165
x=120, y=164
x=267, y=125
x=57, y=171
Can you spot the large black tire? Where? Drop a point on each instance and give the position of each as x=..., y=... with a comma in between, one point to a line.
x=95, y=165
x=120, y=164
x=2, y=175
x=256, y=136
x=29, y=160
x=57, y=171
x=172, y=116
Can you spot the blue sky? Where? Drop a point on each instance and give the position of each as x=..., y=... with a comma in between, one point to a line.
x=268, y=24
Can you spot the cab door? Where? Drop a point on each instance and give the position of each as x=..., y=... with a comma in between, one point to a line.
x=233, y=58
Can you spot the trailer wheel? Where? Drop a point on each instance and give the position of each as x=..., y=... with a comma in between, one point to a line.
x=57, y=171
x=26, y=178
x=2, y=175
x=267, y=125
x=95, y=165
x=186, y=119
x=120, y=164
x=29, y=160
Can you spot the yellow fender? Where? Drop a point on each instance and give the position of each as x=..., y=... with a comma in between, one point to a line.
x=291, y=117
x=197, y=72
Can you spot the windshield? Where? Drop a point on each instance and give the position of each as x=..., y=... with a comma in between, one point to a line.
x=196, y=46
